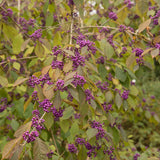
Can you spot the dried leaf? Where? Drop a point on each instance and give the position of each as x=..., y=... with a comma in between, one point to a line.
x=45, y=70
x=68, y=66
x=48, y=92
x=144, y=25
x=19, y=81
x=155, y=52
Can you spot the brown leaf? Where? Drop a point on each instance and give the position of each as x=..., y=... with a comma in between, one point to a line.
x=48, y=92
x=19, y=81
x=144, y=25
x=10, y=147
x=45, y=70
x=155, y=52
x=24, y=45
x=146, y=51
x=68, y=66
x=156, y=40
x=22, y=129
x=56, y=74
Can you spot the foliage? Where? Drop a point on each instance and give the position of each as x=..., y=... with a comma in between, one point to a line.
x=67, y=82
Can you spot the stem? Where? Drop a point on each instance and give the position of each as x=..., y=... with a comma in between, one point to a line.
x=54, y=142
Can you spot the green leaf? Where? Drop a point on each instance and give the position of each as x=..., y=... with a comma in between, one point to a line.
x=120, y=74
x=16, y=65
x=57, y=100
x=102, y=71
x=141, y=7
x=82, y=154
x=118, y=100
x=91, y=132
x=125, y=105
x=17, y=43
x=68, y=113
x=14, y=124
x=3, y=81
x=64, y=124
x=40, y=150
x=108, y=96
x=105, y=3
x=57, y=39
x=49, y=20
x=115, y=135
x=106, y=48
x=39, y=50
x=131, y=102
x=19, y=107
x=48, y=120
x=79, y=5
x=133, y=91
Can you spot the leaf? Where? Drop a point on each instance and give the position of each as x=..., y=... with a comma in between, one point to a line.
x=28, y=51
x=70, y=53
x=91, y=132
x=82, y=154
x=48, y=120
x=125, y=105
x=115, y=135
x=118, y=100
x=79, y=6
x=49, y=20
x=22, y=129
x=16, y=65
x=3, y=81
x=10, y=147
x=146, y=51
x=102, y=71
x=141, y=7
x=132, y=75
x=48, y=92
x=39, y=92
x=24, y=45
x=39, y=50
x=64, y=124
x=106, y=48
x=19, y=81
x=14, y=124
x=120, y=74
x=144, y=25
x=57, y=39
x=68, y=112
x=108, y=96
x=17, y=153
x=45, y=70
x=27, y=103
x=40, y=150
x=105, y=3
x=17, y=43
x=57, y=100
x=155, y=52
x=68, y=66
x=131, y=102
x=74, y=93
x=133, y=91
x=130, y=60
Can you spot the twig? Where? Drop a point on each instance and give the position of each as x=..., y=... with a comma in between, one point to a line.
x=54, y=141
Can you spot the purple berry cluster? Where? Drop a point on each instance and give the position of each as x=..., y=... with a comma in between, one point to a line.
x=35, y=96
x=156, y=17
x=98, y=126
x=56, y=50
x=70, y=97
x=80, y=141
x=60, y=85
x=138, y=52
x=50, y=154
x=26, y=24
x=57, y=113
x=113, y=15
x=100, y=60
x=124, y=50
x=33, y=80
x=88, y=96
x=122, y=28
x=6, y=14
x=36, y=35
x=110, y=151
x=82, y=42
x=78, y=80
x=57, y=64
x=125, y=94
x=135, y=157
x=46, y=105
x=30, y=137
x=102, y=86
x=107, y=107
x=37, y=122
x=78, y=60
x=3, y=104
x=72, y=148
x=129, y=3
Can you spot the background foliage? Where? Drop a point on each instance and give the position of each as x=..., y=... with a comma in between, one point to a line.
x=79, y=79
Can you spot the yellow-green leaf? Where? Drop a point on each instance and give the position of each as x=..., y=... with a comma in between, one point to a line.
x=39, y=50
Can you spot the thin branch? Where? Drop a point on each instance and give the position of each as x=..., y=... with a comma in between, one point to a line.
x=54, y=142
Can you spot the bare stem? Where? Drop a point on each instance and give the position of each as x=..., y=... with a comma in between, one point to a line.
x=54, y=142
